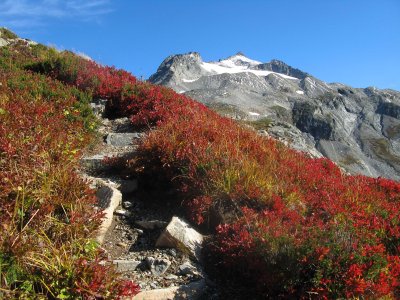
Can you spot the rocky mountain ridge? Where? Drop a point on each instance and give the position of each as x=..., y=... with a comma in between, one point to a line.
x=358, y=128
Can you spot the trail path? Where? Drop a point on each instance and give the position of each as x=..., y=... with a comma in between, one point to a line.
x=133, y=223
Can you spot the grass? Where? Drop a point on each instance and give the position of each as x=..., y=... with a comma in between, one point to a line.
x=7, y=34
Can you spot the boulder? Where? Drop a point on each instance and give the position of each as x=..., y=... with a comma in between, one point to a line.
x=158, y=266
x=187, y=268
x=179, y=234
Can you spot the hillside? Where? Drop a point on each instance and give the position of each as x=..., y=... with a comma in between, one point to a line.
x=357, y=128
x=48, y=215
x=279, y=223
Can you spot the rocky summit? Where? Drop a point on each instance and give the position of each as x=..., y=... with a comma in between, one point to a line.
x=358, y=128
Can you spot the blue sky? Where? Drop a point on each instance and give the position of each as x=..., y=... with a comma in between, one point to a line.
x=351, y=41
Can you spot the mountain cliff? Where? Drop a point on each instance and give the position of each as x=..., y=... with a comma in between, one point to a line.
x=358, y=128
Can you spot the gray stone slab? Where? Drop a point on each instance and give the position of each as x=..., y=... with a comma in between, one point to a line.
x=122, y=139
x=126, y=265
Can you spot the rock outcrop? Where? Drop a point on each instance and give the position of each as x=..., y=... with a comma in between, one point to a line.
x=358, y=128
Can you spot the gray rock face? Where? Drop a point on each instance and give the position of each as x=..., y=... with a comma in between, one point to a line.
x=282, y=68
x=357, y=128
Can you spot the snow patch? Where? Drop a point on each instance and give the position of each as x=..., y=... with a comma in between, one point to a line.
x=189, y=80
x=237, y=60
x=300, y=92
x=253, y=113
x=181, y=92
x=230, y=68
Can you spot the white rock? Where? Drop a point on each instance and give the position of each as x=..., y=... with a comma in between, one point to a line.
x=3, y=42
x=122, y=212
x=179, y=234
x=113, y=201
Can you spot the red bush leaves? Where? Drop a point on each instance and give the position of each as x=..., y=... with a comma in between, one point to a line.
x=47, y=213
x=301, y=228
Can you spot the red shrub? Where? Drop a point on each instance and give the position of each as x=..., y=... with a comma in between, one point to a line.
x=47, y=214
x=298, y=227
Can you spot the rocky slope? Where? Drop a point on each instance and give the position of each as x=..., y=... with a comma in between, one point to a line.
x=358, y=128
x=139, y=238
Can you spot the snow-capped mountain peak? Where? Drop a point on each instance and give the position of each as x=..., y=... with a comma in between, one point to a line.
x=189, y=67
x=239, y=59
x=238, y=63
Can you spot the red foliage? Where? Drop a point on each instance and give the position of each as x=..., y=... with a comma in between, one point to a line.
x=304, y=228
x=47, y=212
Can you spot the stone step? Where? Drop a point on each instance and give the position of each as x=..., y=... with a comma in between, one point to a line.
x=96, y=163
x=126, y=265
x=125, y=186
x=191, y=291
x=123, y=139
x=121, y=125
